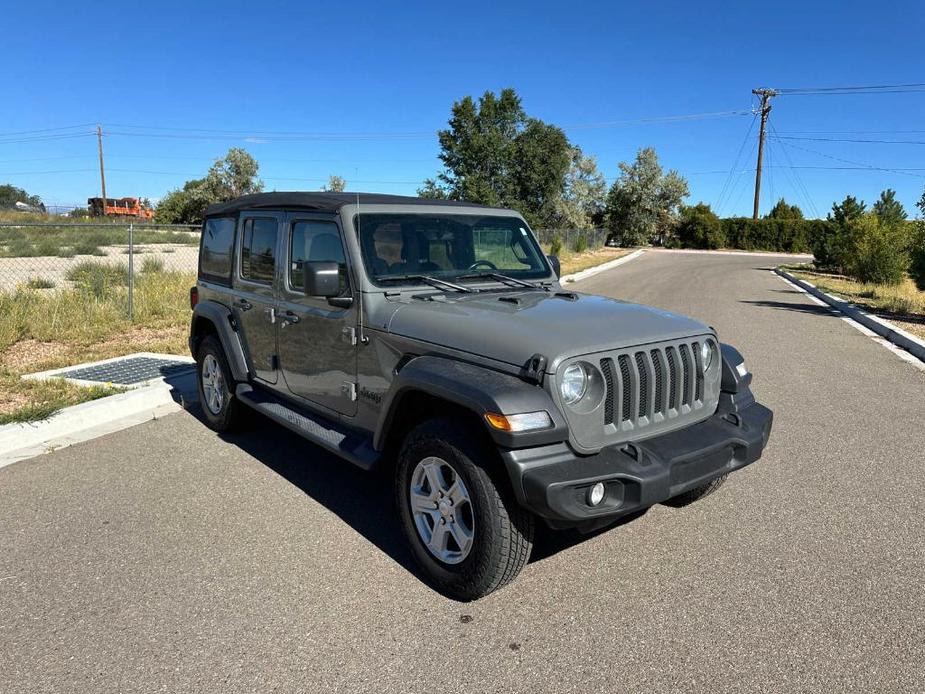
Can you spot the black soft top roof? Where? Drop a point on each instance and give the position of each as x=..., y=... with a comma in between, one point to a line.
x=323, y=202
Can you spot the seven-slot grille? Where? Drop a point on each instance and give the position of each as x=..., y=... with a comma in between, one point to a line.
x=651, y=384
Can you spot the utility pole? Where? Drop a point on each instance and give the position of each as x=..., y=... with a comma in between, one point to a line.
x=99, y=139
x=765, y=95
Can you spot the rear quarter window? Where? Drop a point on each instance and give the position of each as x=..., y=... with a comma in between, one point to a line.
x=217, y=251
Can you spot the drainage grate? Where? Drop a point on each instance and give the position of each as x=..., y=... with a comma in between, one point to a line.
x=129, y=371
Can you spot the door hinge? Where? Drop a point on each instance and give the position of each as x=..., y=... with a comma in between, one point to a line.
x=271, y=313
x=349, y=335
x=273, y=362
x=349, y=389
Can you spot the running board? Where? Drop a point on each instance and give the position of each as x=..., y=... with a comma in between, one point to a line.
x=353, y=447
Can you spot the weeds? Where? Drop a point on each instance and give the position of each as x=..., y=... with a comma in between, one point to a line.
x=40, y=283
x=152, y=264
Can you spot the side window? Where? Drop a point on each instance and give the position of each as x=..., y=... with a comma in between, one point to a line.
x=215, y=254
x=315, y=242
x=258, y=248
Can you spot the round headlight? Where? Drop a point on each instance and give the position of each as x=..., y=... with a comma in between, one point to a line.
x=574, y=384
x=707, y=354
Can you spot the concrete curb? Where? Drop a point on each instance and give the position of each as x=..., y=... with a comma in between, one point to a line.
x=754, y=254
x=885, y=329
x=85, y=421
x=604, y=267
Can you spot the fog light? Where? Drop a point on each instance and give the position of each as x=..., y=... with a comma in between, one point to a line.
x=596, y=494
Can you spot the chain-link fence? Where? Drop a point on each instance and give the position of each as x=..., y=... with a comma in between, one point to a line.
x=572, y=240
x=55, y=256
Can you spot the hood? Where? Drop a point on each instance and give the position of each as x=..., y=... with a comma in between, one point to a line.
x=512, y=326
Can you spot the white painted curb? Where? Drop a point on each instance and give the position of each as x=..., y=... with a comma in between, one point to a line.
x=591, y=271
x=885, y=329
x=85, y=421
x=754, y=254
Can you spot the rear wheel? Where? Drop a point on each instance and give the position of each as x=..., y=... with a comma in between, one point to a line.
x=465, y=529
x=696, y=493
x=216, y=386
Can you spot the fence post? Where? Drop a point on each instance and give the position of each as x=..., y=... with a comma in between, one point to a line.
x=131, y=271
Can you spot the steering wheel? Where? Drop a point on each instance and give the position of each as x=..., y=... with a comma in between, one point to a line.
x=485, y=263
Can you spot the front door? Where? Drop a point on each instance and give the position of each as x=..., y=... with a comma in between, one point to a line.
x=254, y=302
x=317, y=350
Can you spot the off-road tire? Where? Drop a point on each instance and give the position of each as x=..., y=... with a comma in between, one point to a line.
x=696, y=493
x=228, y=417
x=503, y=530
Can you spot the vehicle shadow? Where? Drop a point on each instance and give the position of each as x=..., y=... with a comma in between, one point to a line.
x=794, y=306
x=361, y=499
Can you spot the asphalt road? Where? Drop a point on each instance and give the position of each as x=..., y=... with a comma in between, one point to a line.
x=164, y=558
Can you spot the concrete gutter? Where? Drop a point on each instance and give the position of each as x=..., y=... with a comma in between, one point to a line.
x=883, y=328
x=604, y=267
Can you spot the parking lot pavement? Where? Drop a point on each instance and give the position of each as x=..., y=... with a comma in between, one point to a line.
x=166, y=558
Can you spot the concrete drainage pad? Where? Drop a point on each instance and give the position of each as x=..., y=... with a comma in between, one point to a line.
x=130, y=371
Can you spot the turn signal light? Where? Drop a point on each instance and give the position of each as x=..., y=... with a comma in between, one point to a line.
x=528, y=421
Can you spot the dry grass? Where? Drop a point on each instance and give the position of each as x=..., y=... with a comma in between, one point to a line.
x=576, y=262
x=42, y=330
x=903, y=304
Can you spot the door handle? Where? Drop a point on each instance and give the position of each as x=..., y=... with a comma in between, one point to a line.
x=289, y=317
x=243, y=304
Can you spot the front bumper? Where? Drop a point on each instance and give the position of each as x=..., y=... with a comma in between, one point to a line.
x=553, y=482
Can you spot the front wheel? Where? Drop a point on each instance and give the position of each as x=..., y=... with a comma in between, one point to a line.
x=465, y=529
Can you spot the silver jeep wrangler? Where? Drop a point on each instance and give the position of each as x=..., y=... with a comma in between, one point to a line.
x=434, y=338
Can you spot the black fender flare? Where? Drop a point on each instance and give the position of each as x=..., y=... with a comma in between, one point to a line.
x=477, y=389
x=226, y=327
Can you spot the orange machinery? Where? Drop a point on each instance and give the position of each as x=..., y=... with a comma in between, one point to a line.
x=118, y=207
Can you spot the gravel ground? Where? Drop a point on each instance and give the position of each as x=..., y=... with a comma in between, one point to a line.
x=174, y=256
x=166, y=558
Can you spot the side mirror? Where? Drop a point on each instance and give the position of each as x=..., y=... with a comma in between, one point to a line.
x=321, y=279
x=556, y=266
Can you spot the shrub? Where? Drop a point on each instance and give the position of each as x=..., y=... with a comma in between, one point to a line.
x=876, y=250
x=152, y=264
x=555, y=246
x=40, y=283
x=700, y=228
x=87, y=247
x=581, y=244
x=786, y=235
x=917, y=253
x=98, y=279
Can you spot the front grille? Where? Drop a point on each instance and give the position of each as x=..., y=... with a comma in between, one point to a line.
x=652, y=384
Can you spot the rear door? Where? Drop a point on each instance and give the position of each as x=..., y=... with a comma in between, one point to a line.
x=256, y=280
x=317, y=339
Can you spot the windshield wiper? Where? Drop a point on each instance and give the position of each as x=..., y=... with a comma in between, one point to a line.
x=432, y=281
x=498, y=277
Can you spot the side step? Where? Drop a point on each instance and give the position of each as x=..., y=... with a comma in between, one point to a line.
x=353, y=447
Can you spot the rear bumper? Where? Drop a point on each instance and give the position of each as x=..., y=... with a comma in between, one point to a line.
x=553, y=482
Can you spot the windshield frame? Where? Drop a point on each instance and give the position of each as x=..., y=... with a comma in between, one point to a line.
x=507, y=217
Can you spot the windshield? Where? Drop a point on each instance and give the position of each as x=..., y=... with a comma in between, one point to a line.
x=448, y=246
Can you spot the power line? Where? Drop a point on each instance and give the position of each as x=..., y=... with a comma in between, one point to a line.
x=866, y=89
x=849, y=161
x=735, y=163
x=843, y=139
x=47, y=130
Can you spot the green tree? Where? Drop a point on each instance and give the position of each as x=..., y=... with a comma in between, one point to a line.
x=494, y=154
x=10, y=195
x=581, y=205
x=833, y=245
x=699, y=227
x=875, y=250
x=782, y=210
x=79, y=213
x=335, y=184
x=888, y=208
x=643, y=202
x=227, y=178
x=432, y=190
x=478, y=147
x=917, y=250
x=541, y=159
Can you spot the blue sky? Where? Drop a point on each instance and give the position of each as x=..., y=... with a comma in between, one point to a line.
x=165, y=78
